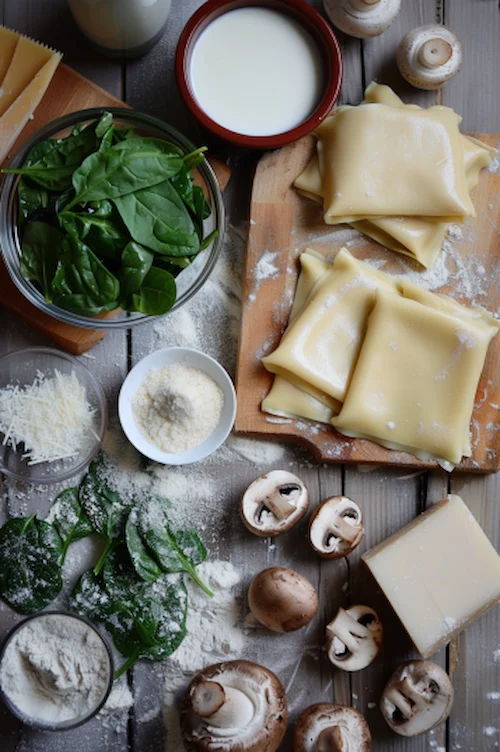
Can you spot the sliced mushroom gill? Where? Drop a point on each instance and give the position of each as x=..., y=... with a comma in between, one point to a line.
x=237, y=705
x=331, y=728
x=417, y=697
x=274, y=503
x=354, y=638
x=336, y=527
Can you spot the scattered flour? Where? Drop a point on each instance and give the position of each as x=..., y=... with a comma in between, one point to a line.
x=495, y=164
x=265, y=268
x=213, y=635
x=490, y=730
x=114, y=714
x=257, y=452
x=493, y=696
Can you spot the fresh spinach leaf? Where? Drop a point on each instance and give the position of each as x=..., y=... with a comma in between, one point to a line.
x=51, y=163
x=41, y=246
x=145, y=566
x=101, y=235
x=69, y=519
x=172, y=264
x=90, y=599
x=167, y=546
x=102, y=209
x=157, y=218
x=103, y=125
x=33, y=200
x=82, y=283
x=123, y=133
x=135, y=265
x=105, y=509
x=123, y=168
x=30, y=568
x=156, y=295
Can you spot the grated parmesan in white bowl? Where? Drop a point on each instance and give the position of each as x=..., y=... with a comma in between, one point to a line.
x=177, y=406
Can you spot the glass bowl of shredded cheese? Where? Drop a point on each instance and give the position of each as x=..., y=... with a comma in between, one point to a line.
x=52, y=415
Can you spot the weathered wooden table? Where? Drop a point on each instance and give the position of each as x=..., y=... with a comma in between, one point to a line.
x=390, y=498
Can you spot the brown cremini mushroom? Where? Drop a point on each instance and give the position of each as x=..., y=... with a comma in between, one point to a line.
x=237, y=705
x=417, y=697
x=354, y=638
x=336, y=527
x=274, y=503
x=282, y=600
x=331, y=728
x=362, y=18
x=429, y=56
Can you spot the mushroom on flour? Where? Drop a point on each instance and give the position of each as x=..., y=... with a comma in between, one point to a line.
x=237, y=705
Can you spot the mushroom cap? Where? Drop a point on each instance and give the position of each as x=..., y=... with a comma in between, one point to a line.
x=274, y=503
x=354, y=638
x=362, y=18
x=417, y=697
x=262, y=733
x=282, y=599
x=429, y=56
x=336, y=527
x=316, y=719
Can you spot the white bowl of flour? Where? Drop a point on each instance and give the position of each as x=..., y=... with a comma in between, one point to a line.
x=177, y=406
x=56, y=671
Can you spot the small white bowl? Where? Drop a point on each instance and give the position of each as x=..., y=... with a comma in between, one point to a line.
x=160, y=359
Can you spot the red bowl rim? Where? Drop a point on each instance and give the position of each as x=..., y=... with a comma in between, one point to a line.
x=318, y=28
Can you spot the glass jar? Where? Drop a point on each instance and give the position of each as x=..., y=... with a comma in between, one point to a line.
x=122, y=28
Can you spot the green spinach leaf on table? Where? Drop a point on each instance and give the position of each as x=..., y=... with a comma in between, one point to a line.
x=178, y=551
x=125, y=167
x=41, y=246
x=30, y=564
x=158, y=218
x=82, y=282
x=156, y=295
x=67, y=516
x=106, y=238
x=136, y=261
x=105, y=509
x=142, y=560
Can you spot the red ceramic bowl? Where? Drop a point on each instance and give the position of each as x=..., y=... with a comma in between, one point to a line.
x=310, y=19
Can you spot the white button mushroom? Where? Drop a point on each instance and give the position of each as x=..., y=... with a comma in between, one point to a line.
x=429, y=56
x=331, y=728
x=274, y=503
x=282, y=600
x=354, y=638
x=362, y=18
x=336, y=527
x=417, y=697
x=238, y=706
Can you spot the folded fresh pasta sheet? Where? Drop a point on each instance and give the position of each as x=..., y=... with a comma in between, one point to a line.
x=417, y=236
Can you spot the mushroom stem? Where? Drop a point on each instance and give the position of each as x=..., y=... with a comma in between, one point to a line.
x=434, y=53
x=222, y=707
x=347, y=528
x=330, y=740
x=348, y=630
x=279, y=502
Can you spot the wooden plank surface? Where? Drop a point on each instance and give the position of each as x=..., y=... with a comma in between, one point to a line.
x=388, y=499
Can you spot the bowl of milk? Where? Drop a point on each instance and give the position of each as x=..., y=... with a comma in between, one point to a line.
x=261, y=75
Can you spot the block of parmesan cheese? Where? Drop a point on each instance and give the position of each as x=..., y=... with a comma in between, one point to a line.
x=439, y=573
x=17, y=115
x=8, y=42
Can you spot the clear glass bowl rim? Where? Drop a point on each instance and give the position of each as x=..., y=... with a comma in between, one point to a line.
x=7, y=197
x=103, y=422
x=39, y=725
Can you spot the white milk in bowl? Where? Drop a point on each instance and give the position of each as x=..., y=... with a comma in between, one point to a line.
x=257, y=72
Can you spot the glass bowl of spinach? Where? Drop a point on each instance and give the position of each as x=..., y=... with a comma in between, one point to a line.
x=109, y=217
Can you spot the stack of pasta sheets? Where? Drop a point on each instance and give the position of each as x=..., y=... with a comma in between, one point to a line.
x=26, y=70
x=398, y=173
x=381, y=359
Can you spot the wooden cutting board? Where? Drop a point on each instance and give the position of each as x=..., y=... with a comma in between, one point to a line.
x=68, y=92
x=282, y=225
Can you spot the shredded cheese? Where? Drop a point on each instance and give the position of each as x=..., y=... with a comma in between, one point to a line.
x=51, y=417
